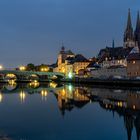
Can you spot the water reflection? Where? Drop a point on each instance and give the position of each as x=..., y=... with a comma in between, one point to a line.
x=125, y=103
x=22, y=96
x=1, y=97
x=70, y=97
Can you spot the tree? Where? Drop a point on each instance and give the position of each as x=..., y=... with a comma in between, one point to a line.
x=30, y=67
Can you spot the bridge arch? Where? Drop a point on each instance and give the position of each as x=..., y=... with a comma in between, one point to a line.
x=10, y=76
x=10, y=86
x=33, y=77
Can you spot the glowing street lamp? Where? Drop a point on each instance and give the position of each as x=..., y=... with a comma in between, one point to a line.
x=22, y=68
x=70, y=75
x=45, y=69
x=1, y=67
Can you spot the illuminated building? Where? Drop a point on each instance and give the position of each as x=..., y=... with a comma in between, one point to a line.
x=80, y=63
x=68, y=62
x=133, y=67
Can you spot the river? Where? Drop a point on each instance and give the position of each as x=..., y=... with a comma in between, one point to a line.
x=53, y=111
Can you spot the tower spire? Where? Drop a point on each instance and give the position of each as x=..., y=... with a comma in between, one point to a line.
x=128, y=34
x=113, y=43
x=129, y=23
x=62, y=48
x=137, y=31
x=138, y=22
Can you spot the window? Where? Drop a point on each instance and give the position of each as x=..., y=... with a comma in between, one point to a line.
x=134, y=62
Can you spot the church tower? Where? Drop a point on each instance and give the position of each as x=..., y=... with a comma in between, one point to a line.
x=61, y=56
x=128, y=34
x=137, y=32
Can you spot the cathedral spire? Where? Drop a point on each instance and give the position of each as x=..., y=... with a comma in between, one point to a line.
x=138, y=22
x=128, y=34
x=129, y=23
x=137, y=31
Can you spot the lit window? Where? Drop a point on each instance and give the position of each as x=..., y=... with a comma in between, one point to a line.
x=134, y=62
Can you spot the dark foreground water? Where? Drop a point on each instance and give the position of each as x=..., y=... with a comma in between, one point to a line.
x=67, y=112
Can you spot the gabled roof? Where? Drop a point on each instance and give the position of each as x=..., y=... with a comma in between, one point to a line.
x=93, y=65
x=113, y=53
x=80, y=58
x=77, y=58
x=133, y=56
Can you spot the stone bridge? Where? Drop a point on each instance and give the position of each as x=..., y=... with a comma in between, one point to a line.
x=23, y=76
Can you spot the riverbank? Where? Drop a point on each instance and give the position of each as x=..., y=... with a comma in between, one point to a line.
x=110, y=82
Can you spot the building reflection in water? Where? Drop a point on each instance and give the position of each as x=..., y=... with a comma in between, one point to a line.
x=34, y=84
x=125, y=103
x=128, y=108
x=70, y=97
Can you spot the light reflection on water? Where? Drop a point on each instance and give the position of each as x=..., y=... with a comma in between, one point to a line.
x=37, y=111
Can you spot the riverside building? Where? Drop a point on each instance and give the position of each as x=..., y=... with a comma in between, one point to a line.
x=69, y=63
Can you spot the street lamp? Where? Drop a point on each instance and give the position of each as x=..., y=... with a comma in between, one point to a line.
x=44, y=69
x=22, y=68
x=1, y=67
x=70, y=75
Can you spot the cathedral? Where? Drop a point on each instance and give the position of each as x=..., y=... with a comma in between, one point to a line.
x=132, y=37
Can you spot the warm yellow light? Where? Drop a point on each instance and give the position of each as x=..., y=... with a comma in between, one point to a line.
x=121, y=104
x=44, y=93
x=12, y=82
x=63, y=92
x=22, y=68
x=34, y=84
x=63, y=70
x=118, y=104
x=1, y=67
x=45, y=69
x=1, y=97
x=53, y=84
x=134, y=62
x=22, y=96
x=134, y=107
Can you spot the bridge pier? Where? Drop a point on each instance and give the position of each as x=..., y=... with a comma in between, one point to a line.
x=44, y=78
x=22, y=78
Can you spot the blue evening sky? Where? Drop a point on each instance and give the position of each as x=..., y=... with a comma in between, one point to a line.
x=31, y=31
